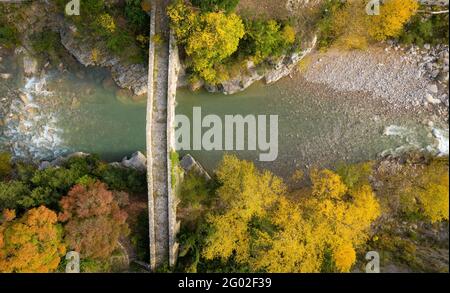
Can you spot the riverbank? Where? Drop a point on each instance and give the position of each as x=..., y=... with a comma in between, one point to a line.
x=404, y=78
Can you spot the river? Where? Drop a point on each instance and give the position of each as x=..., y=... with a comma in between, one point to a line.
x=86, y=112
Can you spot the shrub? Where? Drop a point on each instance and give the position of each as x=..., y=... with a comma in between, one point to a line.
x=9, y=36
x=5, y=165
x=106, y=24
x=119, y=42
x=426, y=30
x=136, y=16
x=216, y=5
x=265, y=39
x=47, y=43
x=13, y=194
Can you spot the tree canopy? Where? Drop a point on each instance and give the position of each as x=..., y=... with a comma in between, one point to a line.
x=260, y=225
x=31, y=244
x=94, y=220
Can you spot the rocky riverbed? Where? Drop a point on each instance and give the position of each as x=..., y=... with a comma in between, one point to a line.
x=405, y=78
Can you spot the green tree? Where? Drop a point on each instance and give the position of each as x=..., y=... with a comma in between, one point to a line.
x=265, y=39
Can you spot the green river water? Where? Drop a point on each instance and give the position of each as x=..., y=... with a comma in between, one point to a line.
x=317, y=126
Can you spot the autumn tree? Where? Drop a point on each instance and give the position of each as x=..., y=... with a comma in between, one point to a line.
x=394, y=14
x=258, y=224
x=245, y=193
x=31, y=244
x=208, y=38
x=94, y=220
x=347, y=24
x=416, y=188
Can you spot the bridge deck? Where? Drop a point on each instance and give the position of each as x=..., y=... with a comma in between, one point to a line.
x=157, y=135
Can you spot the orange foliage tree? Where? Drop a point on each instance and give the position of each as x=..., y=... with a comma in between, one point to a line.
x=94, y=220
x=31, y=244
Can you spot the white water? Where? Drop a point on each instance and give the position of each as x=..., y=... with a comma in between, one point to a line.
x=437, y=144
x=32, y=128
x=441, y=136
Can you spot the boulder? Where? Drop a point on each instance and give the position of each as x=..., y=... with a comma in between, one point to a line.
x=5, y=75
x=30, y=65
x=432, y=88
x=188, y=163
x=430, y=99
x=137, y=161
x=24, y=98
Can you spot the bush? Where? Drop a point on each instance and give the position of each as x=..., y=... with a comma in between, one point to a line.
x=9, y=36
x=216, y=5
x=47, y=43
x=426, y=30
x=119, y=42
x=265, y=39
x=137, y=17
x=139, y=237
x=5, y=165
x=12, y=195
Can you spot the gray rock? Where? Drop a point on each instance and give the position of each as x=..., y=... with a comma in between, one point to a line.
x=137, y=161
x=432, y=88
x=128, y=76
x=5, y=75
x=44, y=165
x=188, y=163
x=430, y=99
x=30, y=65
x=24, y=98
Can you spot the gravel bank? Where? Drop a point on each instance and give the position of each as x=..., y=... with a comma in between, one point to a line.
x=393, y=74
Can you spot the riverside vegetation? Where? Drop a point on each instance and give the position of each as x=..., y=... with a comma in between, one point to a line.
x=78, y=205
x=242, y=220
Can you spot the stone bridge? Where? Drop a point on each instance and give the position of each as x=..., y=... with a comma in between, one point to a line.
x=162, y=84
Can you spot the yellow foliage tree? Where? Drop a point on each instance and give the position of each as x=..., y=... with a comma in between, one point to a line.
x=393, y=16
x=296, y=247
x=351, y=25
x=433, y=193
x=343, y=218
x=245, y=193
x=32, y=243
x=217, y=38
x=293, y=235
x=354, y=28
x=209, y=38
x=344, y=257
